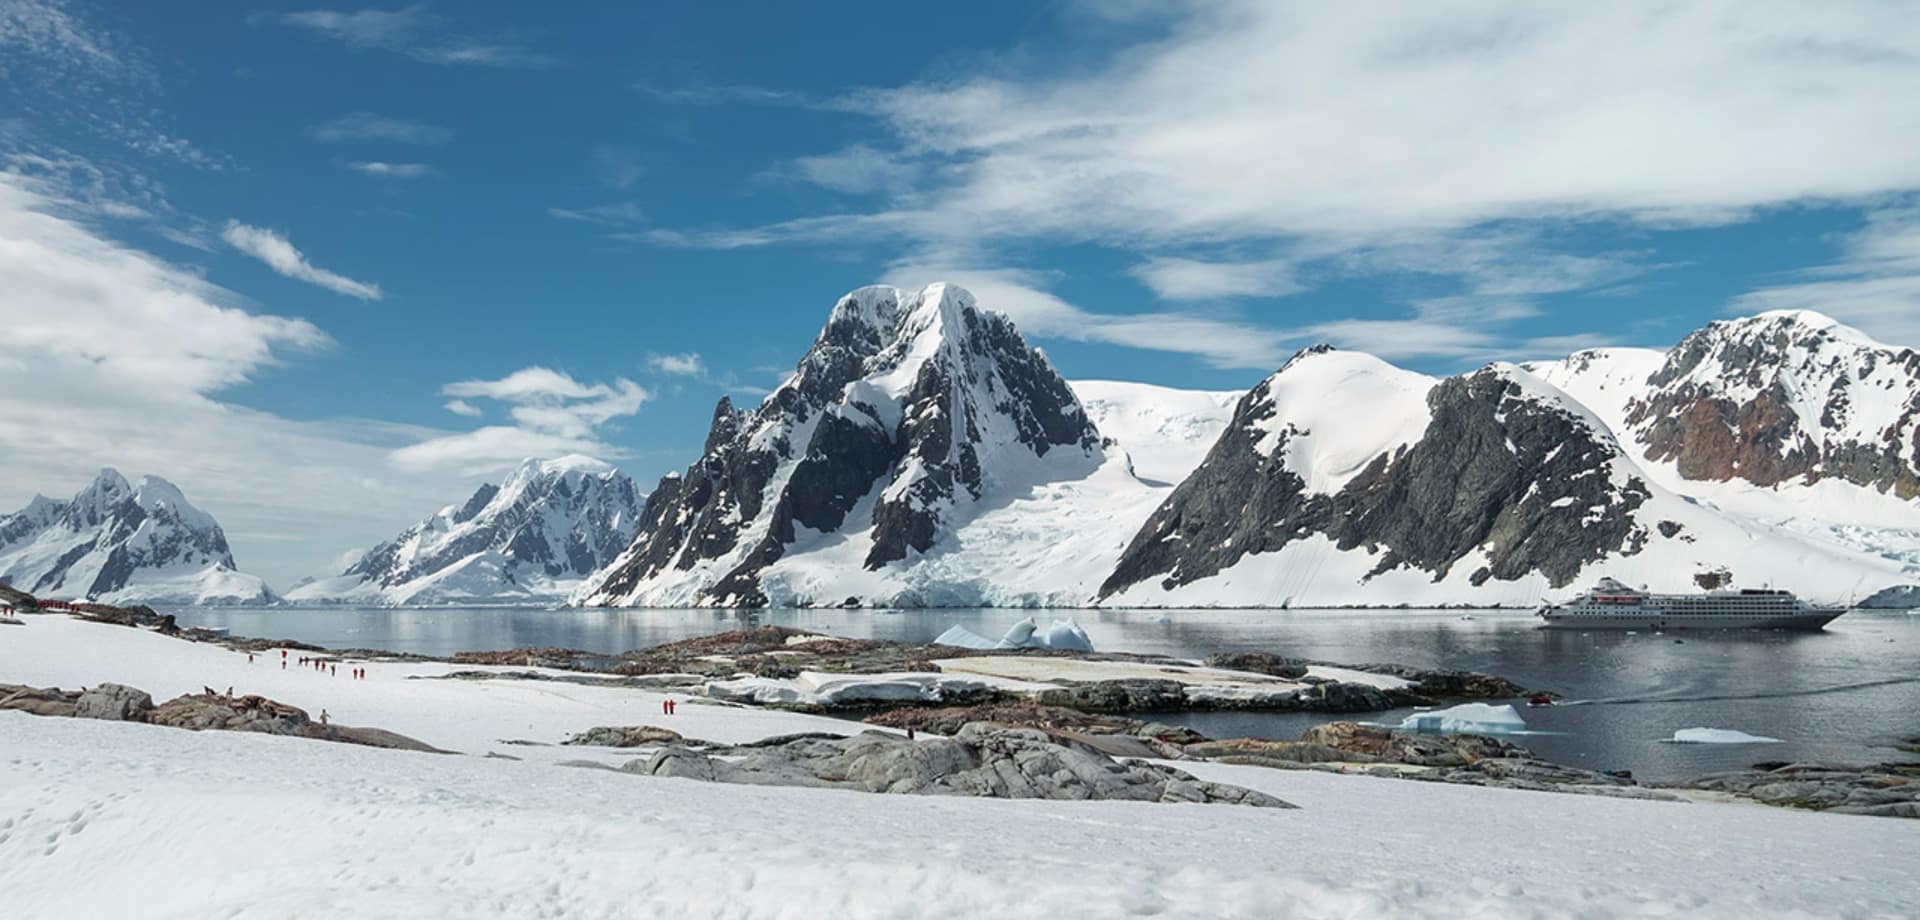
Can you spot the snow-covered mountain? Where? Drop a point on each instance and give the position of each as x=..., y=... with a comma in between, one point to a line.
x=920, y=454
x=535, y=536
x=1345, y=480
x=1788, y=396
x=116, y=542
x=1787, y=419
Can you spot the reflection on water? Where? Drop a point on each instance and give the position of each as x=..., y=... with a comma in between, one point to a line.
x=1848, y=693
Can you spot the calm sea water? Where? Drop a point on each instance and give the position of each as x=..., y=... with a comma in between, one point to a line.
x=1849, y=693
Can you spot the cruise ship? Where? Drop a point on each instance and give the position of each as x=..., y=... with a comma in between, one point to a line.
x=1612, y=605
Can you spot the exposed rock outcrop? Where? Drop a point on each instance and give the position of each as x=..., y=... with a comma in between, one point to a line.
x=207, y=711
x=1887, y=791
x=113, y=702
x=626, y=736
x=980, y=760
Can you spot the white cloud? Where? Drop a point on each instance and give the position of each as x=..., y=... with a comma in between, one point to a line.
x=386, y=170
x=619, y=169
x=552, y=412
x=1244, y=144
x=623, y=213
x=462, y=407
x=1875, y=285
x=282, y=257
x=1257, y=119
x=413, y=31
x=685, y=365
x=128, y=355
x=856, y=170
x=528, y=384
x=722, y=94
x=1190, y=279
x=367, y=126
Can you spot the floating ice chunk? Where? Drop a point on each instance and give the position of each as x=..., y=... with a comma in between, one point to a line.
x=1718, y=736
x=1060, y=634
x=1475, y=718
x=962, y=637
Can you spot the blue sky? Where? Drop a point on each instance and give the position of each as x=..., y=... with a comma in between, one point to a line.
x=328, y=267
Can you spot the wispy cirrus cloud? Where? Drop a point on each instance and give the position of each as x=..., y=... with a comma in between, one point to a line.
x=1173, y=278
x=105, y=81
x=699, y=93
x=385, y=170
x=415, y=31
x=368, y=126
x=552, y=413
x=280, y=255
x=616, y=214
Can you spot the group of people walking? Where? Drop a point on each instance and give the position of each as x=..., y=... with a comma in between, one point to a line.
x=330, y=668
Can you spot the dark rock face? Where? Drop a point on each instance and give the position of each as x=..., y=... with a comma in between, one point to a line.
x=1724, y=406
x=882, y=428
x=1496, y=470
x=1118, y=696
x=1260, y=663
x=1382, y=744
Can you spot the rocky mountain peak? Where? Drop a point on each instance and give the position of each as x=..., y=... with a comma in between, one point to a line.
x=906, y=410
x=1783, y=396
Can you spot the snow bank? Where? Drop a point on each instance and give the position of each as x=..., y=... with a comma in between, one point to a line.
x=107, y=818
x=1472, y=718
x=1718, y=736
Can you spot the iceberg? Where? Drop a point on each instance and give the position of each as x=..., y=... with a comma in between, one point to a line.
x=962, y=637
x=1470, y=718
x=1718, y=736
x=1060, y=634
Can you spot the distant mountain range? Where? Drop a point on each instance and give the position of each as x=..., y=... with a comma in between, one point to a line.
x=123, y=543
x=536, y=536
x=923, y=454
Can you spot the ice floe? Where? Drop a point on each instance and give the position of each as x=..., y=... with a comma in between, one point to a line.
x=1475, y=718
x=1718, y=736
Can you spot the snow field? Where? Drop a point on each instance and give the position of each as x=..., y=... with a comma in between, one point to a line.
x=104, y=819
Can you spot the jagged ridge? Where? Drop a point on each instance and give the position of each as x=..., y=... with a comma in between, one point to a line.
x=896, y=421
x=547, y=526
